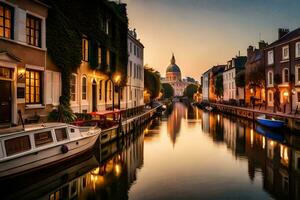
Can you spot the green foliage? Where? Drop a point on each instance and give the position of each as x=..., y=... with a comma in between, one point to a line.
x=168, y=90
x=240, y=79
x=68, y=21
x=62, y=114
x=256, y=77
x=219, y=85
x=190, y=90
x=152, y=82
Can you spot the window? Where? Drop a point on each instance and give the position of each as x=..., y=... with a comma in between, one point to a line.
x=43, y=138
x=298, y=74
x=298, y=97
x=6, y=22
x=130, y=68
x=61, y=134
x=285, y=75
x=33, y=30
x=33, y=87
x=297, y=50
x=5, y=73
x=85, y=49
x=100, y=89
x=73, y=87
x=134, y=49
x=270, y=96
x=99, y=56
x=285, y=52
x=270, y=78
x=107, y=26
x=109, y=90
x=17, y=145
x=108, y=58
x=83, y=88
x=270, y=57
x=130, y=45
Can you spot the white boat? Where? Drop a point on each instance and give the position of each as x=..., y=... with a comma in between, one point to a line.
x=42, y=144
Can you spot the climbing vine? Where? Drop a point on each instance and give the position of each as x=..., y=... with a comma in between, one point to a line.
x=68, y=21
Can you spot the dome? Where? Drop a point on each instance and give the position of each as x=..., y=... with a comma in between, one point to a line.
x=173, y=67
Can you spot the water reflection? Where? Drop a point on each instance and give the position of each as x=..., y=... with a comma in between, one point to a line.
x=215, y=157
x=274, y=155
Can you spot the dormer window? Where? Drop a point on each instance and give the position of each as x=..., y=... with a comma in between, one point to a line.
x=6, y=22
x=285, y=53
x=85, y=49
x=33, y=30
x=271, y=57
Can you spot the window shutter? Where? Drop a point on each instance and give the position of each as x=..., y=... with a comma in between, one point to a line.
x=48, y=87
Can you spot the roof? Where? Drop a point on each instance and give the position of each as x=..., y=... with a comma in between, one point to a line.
x=287, y=37
x=173, y=67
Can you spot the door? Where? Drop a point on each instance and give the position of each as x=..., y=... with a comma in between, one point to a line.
x=94, y=96
x=5, y=101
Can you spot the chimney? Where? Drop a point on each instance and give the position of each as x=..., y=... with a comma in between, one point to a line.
x=250, y=51
x=282, y=32
x=262, y=44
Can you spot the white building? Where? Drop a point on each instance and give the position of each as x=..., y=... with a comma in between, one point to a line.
x=230, y=90
x=134, y=92
x=205, y=86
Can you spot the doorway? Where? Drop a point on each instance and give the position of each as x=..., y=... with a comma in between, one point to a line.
x=94, y=96
x=5, y=102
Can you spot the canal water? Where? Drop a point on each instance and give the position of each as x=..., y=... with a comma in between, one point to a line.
x=189, y=154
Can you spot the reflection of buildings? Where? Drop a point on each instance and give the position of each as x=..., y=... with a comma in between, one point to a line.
x=278, y=158
x=174, y=121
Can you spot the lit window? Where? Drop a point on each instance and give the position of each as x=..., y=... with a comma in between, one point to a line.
x=33, y=30
x=297, y=49
x=83, y=88
x=270, y=57
x=285, y=52
x=297, y=74
x=73, y=87
x=33, y=87
x=270, y=96
x=85, y=49
x=285, y=75
x=6, y=22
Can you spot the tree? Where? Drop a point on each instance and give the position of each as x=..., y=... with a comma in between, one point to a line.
x=190, y=90
x=240, y=79
x=152, y=82
x=219, y=85
x=168, y=90
x=255, y=77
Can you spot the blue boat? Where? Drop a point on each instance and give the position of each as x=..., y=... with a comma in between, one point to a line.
x=271, y=123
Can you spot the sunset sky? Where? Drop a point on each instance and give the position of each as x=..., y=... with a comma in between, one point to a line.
x=203, y=33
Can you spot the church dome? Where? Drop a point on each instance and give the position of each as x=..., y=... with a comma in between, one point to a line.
x=173, y=67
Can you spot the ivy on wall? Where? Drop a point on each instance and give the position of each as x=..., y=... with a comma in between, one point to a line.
x=68, y=21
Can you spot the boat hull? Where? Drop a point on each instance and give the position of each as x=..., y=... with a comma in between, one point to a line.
x=270, y=123
x=46, y=157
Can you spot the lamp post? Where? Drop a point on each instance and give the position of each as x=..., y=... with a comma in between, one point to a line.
x=117, y=81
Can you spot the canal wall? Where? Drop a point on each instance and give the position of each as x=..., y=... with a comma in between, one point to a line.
x=293, y=121
x=128, y=125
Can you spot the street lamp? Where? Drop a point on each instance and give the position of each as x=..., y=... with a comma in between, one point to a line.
x=117, y=81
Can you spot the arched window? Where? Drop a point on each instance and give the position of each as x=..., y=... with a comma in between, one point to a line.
x=270, y=98
x=285, y=75
x=83, y=88
x=100, y=89
x=270, y=78
x=73, y=87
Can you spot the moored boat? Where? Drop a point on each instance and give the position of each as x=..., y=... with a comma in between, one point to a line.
x=271, y=123
x=39, y=145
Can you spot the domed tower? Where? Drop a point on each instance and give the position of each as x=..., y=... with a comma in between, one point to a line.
x=173, y=72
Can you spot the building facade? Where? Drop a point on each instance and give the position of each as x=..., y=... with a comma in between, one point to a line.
x=255, y=74
x=231, y=91
x=282, y=68
x=23, y=70
x=134, y=90
x=205, y=85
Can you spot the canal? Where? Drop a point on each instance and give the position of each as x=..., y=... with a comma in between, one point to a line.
x=189, y=154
